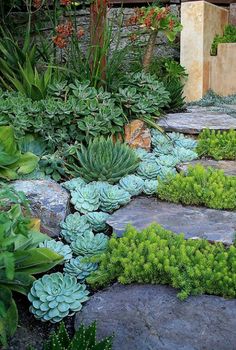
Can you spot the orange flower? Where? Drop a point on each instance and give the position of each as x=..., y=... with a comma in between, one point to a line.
x=133, y=37
x=171, y=24
x=65, y=2
x=60, y=41
x=65, y=29
x=80, y=32
x=37, y=4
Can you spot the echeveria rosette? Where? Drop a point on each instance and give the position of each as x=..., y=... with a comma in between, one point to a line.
x=85, y=199
x=150, y=187
x=111, y=198
x=184, y=155
x=56, y=296
x=159, y=139
x=132, y=184
x=148, y=170
x=74, y=226
x=58, y=247
x=181, y=141
x=74, y=184
x=167, y=160
x=90, y=244
x=78, y=268
x=97, y=220
x=166, y=171
x=144, y=155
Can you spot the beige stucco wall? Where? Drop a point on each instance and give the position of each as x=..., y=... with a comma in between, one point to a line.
x=223, y=70
x=201, y=22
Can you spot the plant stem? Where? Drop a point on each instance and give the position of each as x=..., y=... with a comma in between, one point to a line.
x=149, y=50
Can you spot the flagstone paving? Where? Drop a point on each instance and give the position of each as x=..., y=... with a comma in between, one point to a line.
x=214, y=225
x=229, y=166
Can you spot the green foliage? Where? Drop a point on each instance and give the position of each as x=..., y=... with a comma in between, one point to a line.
x=53, y=165
x=200, y=186
x=142, y=96
x=56, y=296
x=229, y=36
x=74, y=226
x=58, y=247
x=158, y=256
x=104, y=160
x=83, y=339
x=132, y=184
x=12, y=162
x=90, y=244
x=20, y=258
x=84, y=114
x=97, y=220
x=78, y=268
x=217, y=145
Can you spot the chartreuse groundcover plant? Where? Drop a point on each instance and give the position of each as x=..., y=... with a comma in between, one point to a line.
x=20, y=257
x=217, y=144
x=83, y=339
x=158, y=256
x=200, y=186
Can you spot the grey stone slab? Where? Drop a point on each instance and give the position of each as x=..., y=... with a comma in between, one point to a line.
x=150, y=317
x=48, y=202
x=214, y=225
x=195, y=120
x=229, y=166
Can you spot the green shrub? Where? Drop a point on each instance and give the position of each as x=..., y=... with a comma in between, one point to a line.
x=217, y=145
x=229, y=36
x=83, y=339
x=104, y=160
x=158, y=256
x=200, y=186
x=20, y=259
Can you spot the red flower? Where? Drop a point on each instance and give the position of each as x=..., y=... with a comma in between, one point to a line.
x=148, y=22
x=65, y=2
x=133, y=37
x=80, y=32
x=65, y=29
x=171, y=24
x=60, y=41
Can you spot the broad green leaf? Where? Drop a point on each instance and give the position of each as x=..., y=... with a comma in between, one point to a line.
x=27, y=163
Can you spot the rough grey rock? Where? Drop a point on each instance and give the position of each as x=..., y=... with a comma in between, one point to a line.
x=214, y=225
x=229, y=166
x=195, y=120
x=150, y=317
x=48, y=202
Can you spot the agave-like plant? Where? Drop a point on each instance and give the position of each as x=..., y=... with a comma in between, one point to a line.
x=90, y=244
x=105, y=160
x=80, y=269
x=56, y=296
x=97, y=220
x=74, y=226
x=132, y=184
x=85, y=199
x=58, y=247
x=112, y=197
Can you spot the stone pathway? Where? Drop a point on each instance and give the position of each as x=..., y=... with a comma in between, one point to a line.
x=229, y=166
x=195, y=120
x=148, y=317
x=214, y=225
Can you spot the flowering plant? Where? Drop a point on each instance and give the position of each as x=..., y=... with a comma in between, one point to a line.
x=155, y=19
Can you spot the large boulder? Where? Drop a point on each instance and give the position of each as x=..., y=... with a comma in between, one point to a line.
x=145, y=317
x=137, y=135
x=48, y=201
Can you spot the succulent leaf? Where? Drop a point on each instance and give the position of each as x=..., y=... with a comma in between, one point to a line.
x=132, y=184
x=90, y=244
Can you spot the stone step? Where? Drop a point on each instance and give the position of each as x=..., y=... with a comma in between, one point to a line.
x=214, y=225
x=145, y=317
x=229, y=166
x=197, y=119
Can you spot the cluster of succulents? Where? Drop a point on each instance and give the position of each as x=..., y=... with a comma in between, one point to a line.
x=74, y=226
x=90, y=244
x=97, y=220
x=80, y=269
x=56, y=296
x=58, y=247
